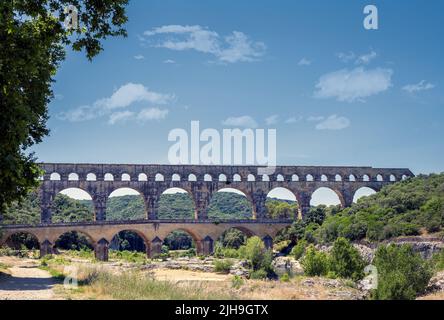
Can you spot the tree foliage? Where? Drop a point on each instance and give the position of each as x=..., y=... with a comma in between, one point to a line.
x=32, y=46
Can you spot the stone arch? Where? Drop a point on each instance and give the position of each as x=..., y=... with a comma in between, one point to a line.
x=265, y=178
x=338, y=178
x=192, y=177
x=392, y=178
x=251, y=178
x=294, y=177
x=142, y=177
x=245, y=207
x=324, y=178
x=309, y=177
x=15, y=240
x=379, y=177
x=91, y=177
x=366, y=178
x=125, y=204
x=55, y=176
x=208, y=177
x=237, y=177
x=73, y=177
x=159, y=177
x=108, y=177
x=176, y=203
x=125, y=177
x=362, y=192
x=75, y=194
x=280, y=178
x=282, y=194
x=187, y=239
x=222, y=178
x=404, y=177
x=175, y=177
x=134, y=242
x=73, y=240
x=352, y=178
x=326, y=196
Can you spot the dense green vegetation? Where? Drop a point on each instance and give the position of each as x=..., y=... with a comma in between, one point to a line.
x=33, y=44
x=402, y=273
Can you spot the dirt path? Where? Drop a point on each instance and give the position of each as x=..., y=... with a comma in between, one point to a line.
x=25, y=281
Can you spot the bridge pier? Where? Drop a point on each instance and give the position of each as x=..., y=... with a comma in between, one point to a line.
x=101, y=250
x=46, y=248
x=268, y=242
x=207, y=246
x=155, y=248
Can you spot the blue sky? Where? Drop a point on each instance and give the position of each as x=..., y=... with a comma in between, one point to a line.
x=336, y=93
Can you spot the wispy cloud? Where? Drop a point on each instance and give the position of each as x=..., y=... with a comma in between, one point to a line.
x=420, y=86
x=139, y=57
x=366, y=58
x=271, y=120
x=242, y=121
x=235, y=47
x=169, y=61
x=346, y=56
x=333, y=122
x=352, y=85
x=293, y=119
x=152, y=114
x=123, y=97
x=304, y=62
x=120, y=116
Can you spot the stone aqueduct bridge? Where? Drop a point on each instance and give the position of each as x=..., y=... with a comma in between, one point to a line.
x=100, y=180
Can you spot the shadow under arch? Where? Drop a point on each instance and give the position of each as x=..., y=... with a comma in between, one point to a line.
x=20, y=240
x=129, y=240
x=125, y=204
x=234, y=237
x=230, y=203
x=176, y=203
x=74, y=240
x=181, y=239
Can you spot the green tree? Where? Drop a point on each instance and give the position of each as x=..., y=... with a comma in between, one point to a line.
x=32, y=45
x=346, y=261
x=402, y=273
x=315, y=262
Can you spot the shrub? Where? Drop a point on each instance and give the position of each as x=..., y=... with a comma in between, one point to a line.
x=285, y=277
x=223, y=266
x=254, y=252
x=315, y=263
x=345, y=260
x=237, y=282
x=258, y=274
x=402, y=273
x=299, y=249
x=280, y=246
x=438, y=261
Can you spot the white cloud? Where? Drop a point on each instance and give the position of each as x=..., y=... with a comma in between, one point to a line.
x=420, y=86
x=139, y=57
x=120, y=116
x=293, y=119
x=315, y=118
x=333, y=122
x=346, y=57
x=351, y=85
x=130, y=93
x=152, y=114
x=235, y=47
x=272, y=120
x=123, y=97
x=243, y=121
x=304, y=62
x=366, y=58
x=169, y=61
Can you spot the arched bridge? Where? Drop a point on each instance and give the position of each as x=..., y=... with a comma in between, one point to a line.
x=201, y=182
